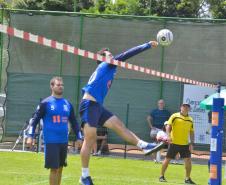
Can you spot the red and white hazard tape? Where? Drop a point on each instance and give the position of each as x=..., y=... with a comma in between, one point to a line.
x=87, y=54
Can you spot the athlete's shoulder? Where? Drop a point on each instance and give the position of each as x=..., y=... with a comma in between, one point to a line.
x=47, y=99
x=176, y=114
x=66, y=101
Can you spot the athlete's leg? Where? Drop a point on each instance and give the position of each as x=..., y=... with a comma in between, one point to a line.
x=60, y=170
x=188, y=166
x=53, y=177
x=117, y=125
x=89, y=140
x=165, y=164
x=89, y=112
x=185, y=153
x=171, y=153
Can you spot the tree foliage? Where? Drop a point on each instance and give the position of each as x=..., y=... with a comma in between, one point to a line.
x=53, y=5
x=166, y=8
x=4, y=4
x=218, y=8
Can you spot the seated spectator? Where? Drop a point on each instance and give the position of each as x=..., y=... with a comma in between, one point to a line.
x=101, y=146
x=156, y=118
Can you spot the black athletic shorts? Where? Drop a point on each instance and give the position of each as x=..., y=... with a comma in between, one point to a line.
x=183, y=150
x=55, y=155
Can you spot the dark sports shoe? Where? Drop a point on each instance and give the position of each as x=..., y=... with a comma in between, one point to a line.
x=86, y=181
x=162, y=179
x=188, y=181
x=152, y=148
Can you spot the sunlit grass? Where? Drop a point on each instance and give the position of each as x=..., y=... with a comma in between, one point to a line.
x=27, y=169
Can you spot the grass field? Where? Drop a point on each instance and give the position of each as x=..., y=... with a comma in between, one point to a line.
x=27, y=169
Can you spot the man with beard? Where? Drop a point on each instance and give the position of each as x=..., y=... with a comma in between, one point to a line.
x=55, y=111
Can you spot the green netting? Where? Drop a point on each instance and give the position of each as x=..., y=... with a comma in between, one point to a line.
x=32, y=58
x=24, y=93
x=197, y=52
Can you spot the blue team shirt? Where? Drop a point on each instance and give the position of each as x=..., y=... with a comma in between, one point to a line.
x=102, y=78
x=56, y=113
x=159, y=117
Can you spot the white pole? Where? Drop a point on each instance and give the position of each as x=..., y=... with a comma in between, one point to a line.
x=24, y=135
x=40, y=142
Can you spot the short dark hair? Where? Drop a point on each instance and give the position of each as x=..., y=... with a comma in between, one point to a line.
x=102, y=52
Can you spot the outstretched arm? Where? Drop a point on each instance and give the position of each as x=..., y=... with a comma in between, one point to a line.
x=136, y=50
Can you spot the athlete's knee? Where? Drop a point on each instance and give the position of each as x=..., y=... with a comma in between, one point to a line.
x=54, y=170
x=114, y=123
x=89, y=138
x=187, y=160
x=89, y=132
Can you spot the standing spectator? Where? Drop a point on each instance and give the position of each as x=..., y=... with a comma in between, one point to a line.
x=55, y=112
x=157, y=118
x=179, y=129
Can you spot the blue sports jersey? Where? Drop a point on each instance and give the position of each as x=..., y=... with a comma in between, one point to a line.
x=55, y=112
x=101, y=80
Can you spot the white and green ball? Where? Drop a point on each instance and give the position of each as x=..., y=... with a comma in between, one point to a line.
x=165, y=37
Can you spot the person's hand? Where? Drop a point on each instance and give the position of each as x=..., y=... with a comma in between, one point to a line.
x=154, y=44
x=29, y=142
x=79, y=143
x=169, y=139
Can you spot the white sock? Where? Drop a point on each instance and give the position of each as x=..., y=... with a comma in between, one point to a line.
x=85, y=172
x=142, y=144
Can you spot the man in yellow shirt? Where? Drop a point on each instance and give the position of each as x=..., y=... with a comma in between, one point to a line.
x=179, y=129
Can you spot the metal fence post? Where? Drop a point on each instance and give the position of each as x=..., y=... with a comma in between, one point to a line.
x=127, y=122
x=79, y=64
